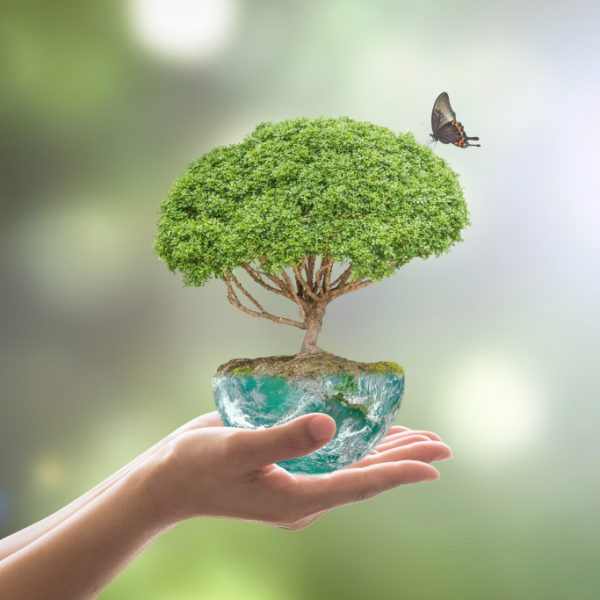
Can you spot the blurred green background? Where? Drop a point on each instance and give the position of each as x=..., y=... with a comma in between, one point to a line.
x=103, y=351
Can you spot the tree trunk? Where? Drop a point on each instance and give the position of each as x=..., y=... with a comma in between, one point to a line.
x=311, y=294
x=314, y=322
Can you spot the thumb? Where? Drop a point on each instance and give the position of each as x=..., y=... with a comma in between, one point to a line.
x=290, y=440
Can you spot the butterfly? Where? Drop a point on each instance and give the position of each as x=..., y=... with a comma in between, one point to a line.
x=445, y=127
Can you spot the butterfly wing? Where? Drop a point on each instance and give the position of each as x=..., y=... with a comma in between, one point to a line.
x=441, y=115
x=449, y=133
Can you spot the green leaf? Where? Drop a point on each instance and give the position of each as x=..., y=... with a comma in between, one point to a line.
x=350, y=190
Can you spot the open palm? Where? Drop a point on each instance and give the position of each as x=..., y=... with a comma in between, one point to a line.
x=220, y=471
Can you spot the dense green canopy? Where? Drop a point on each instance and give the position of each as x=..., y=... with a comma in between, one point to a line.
x=352, y=191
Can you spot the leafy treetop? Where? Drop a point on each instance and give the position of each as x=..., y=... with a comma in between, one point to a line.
x=348, y=191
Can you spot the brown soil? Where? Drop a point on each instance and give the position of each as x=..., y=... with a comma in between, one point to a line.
x=305, y=366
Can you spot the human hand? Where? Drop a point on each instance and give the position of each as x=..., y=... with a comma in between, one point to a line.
x=205, y=469
x=201, y=469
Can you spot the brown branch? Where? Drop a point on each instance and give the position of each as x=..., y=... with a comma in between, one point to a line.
x=310, y=269
x=342, y=279
x=327, y=279
x=290, y=292
x=290, y=286
x=247, y=294
x=305, y=287
x=318, y=286
x=278, y=282
x=287, y=292
x=299, y=286
x=352, y=287
x=233, y=299
x=298, y=279
x=328, y=263
x=295, y=295
x=256, y=276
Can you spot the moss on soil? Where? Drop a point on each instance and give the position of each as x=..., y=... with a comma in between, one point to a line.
x=305, y=366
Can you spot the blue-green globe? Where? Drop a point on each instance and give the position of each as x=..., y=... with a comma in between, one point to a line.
x=363, y=407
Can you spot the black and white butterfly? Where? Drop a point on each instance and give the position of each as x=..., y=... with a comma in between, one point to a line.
x=445, y=127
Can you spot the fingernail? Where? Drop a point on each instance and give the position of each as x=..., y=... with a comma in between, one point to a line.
x=446, y=454
x=319, y=429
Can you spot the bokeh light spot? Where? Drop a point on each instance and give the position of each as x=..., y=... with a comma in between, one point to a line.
x=49, y=471
x=494, y=408
x=183, y=30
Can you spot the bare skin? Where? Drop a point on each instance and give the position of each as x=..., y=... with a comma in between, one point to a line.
x=200, y=470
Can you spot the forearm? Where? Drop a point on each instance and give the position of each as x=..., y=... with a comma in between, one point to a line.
x=77, y=558
x=22, y=538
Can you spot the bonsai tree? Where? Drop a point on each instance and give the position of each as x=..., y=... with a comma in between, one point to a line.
x=297, y=199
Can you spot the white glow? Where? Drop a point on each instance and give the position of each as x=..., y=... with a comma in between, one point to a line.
x=494, y=408
x=185, y=30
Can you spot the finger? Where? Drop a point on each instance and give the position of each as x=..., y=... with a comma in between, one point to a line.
x=429, y=434
x=211, y=419
x=393, y=432
x=353, y=485
x=397, y=429
x=401, y=441
x=424, y=451
x=294, y=439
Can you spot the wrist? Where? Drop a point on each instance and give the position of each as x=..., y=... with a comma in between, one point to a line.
x=154, y=495
x=162, y=482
